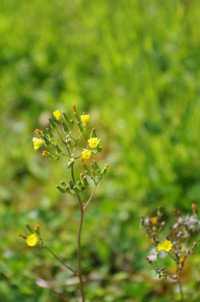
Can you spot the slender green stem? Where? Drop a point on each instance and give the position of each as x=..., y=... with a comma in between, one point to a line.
x=79, y=254
x=79, y=236
x=59, y=259
x=86, y=204
x=180, y=290
x=61, y=139
x=179, y=270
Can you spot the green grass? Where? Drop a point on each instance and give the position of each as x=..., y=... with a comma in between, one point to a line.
x=135, y=65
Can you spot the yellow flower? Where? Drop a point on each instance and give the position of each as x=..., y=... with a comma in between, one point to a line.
x=164, y=246
x=37, y=143
x=32, y=240
x=57, y=115
x=93, y=142
x=86, y=154
x=85, y=119
x=154, y=220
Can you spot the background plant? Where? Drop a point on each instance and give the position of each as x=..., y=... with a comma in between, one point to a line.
x=174, y=240
x=135, y=66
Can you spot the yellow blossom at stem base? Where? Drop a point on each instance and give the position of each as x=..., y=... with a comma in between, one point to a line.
x=93, y=142
x=85, y=119
x=86, y=154
x=32, y=240
x=164, y=246
x=37, y=143
x=57, y=115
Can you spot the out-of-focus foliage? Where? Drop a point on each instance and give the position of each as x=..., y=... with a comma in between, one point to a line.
x=135, y=65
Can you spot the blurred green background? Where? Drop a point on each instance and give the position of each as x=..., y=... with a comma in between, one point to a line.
x=135, y=66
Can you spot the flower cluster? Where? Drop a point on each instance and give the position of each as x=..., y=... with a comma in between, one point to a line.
x=71, y=138
x=173, y=238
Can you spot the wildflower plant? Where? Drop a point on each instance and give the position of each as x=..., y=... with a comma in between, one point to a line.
x=173, y=241
x=71, y=138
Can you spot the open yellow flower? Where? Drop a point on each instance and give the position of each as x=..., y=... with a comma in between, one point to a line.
x=85, y=119
x=164, y=246
x=86, y=154
x=93, y=142
x=37, y=143
x=57, y=115
x=32, y=239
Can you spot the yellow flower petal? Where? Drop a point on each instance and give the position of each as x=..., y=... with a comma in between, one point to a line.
x=93, y=142
x=85, y=119
x=37, y=143
x=57, y=115
x=86, y=154
x=164, y=246
x=32, y=240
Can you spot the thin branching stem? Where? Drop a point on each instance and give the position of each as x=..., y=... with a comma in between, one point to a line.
x=79, y=254
x=79, y=236
x=181, y=291
x=59, y=259
x=90, y=198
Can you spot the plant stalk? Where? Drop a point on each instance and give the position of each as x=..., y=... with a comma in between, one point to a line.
x=79, y=254
x=59, y=259
x=79, y=236
x=180, y=291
